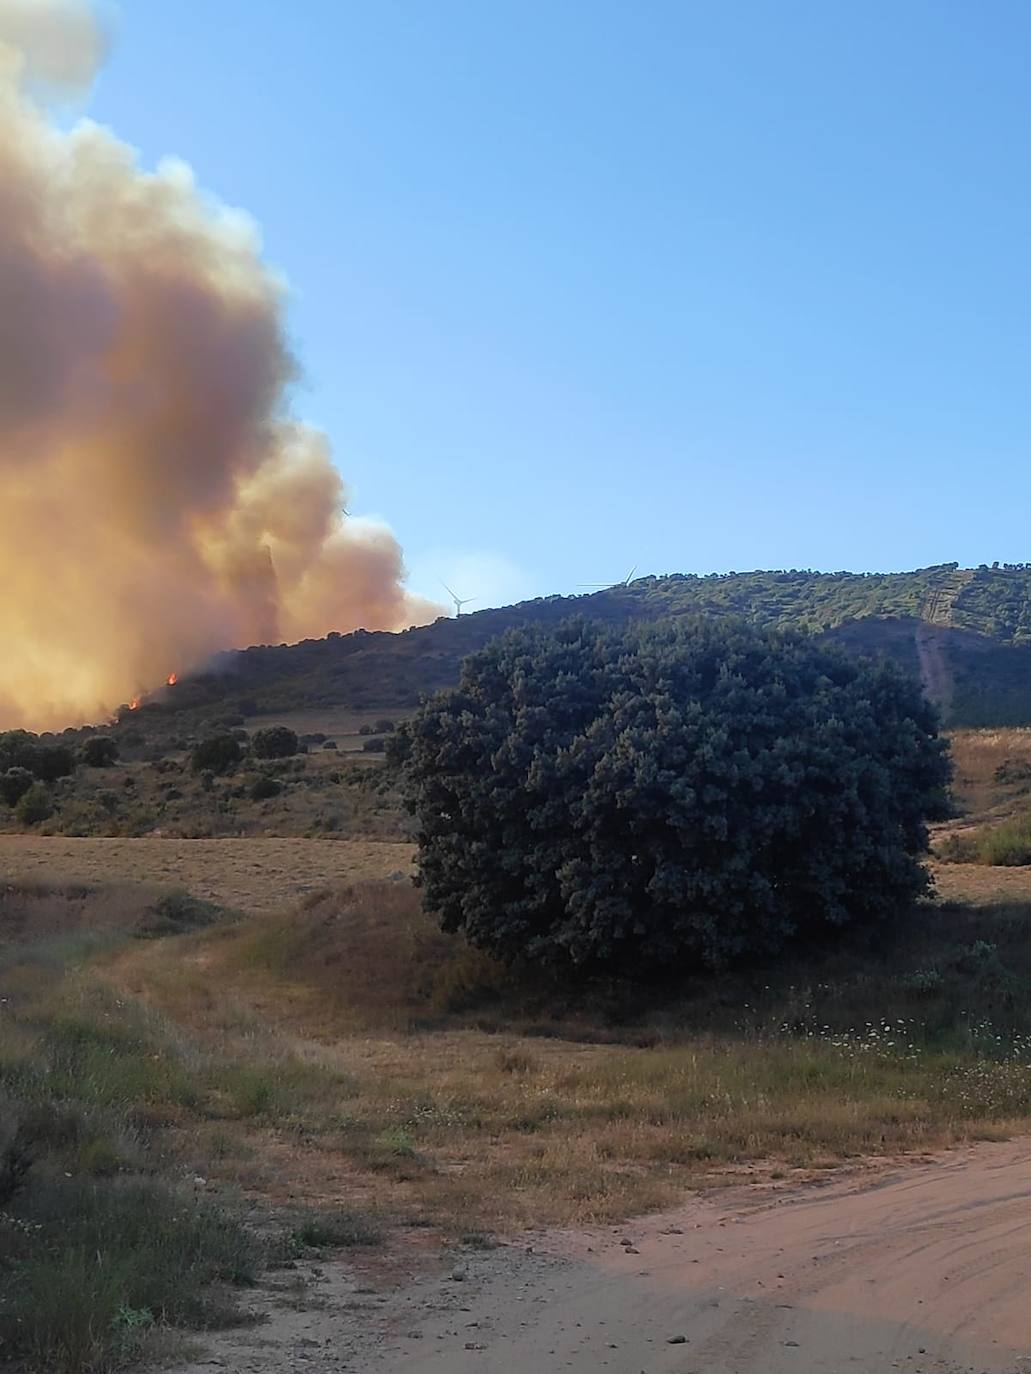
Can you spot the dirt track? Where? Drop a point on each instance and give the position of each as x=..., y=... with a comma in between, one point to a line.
x=923, y=1268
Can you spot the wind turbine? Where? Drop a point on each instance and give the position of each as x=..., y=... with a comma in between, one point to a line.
x=604, y=586
x=459, y=601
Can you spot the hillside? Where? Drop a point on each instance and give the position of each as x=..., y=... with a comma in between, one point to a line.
x=966, y=631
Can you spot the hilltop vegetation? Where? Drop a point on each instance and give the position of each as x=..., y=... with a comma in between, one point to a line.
x=965, y=632
x=968, y=631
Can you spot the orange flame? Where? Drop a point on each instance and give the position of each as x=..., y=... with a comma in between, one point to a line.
x=134, y=705
x=172, y=679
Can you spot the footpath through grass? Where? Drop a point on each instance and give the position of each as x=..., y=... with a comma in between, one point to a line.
x=110, y=1243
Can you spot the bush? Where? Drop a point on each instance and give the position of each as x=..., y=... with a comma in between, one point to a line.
x=384, y=726
x=274, y=742
x=664, y=799
x=35, y=805
x=100, y=751
x=48, y=762
x=374, y=746
x=330, y=744
x=264, y=787
x=14, y=784
x=216, y=754
x=337, y=1229
x=176, y=913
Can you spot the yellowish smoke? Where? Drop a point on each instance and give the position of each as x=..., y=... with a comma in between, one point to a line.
x=158, y=502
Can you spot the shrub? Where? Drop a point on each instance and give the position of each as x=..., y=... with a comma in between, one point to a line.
x=374, y=746
x=274, y=742
x=34, y=805
x=337, y=1229
x=384, y=726
x=178, y=912
x=14, y=784
x=662, y=799
x=216, y=754
x=99, y=751
x=265, y=787
x=330, y=744
x=21, y=749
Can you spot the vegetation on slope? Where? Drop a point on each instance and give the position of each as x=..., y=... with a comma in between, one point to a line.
x=983, y=615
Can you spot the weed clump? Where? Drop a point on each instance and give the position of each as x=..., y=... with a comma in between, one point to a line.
x=89, y=1266
x=1006, y=846
x=176, y=913
x=339, y=1229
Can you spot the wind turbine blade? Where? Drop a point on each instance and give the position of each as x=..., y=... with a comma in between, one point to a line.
x=448, y=590
x=626, y=582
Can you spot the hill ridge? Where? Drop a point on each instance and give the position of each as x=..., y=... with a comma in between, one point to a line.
x=965, y=631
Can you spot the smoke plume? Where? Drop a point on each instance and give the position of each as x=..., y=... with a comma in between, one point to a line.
x=158, y=501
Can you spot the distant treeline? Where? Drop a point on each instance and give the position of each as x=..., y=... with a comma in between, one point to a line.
x=989, y=656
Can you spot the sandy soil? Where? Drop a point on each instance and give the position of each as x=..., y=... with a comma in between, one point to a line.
x=918, y=1267
x=251, y=874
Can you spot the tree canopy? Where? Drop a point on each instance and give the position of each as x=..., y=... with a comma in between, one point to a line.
x=274, y=742
x=44, y=759
x=681, y=795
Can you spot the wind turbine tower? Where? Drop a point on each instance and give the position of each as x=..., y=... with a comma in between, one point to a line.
x=459, y=601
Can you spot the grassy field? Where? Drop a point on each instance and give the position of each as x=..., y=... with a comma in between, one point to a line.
x=293, y=1056
x=347, y=1051
x=251, y=875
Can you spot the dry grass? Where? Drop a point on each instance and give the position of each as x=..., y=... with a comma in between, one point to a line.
x=993, y=770
x=251, y=875
x=347, y=1053
x=370, y=1059
x=982, y=886
x=992, y=789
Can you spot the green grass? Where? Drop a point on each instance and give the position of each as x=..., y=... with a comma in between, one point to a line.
x=90, y=1265
x=101, y=1250
x=336, y=1229
x=1007, y=845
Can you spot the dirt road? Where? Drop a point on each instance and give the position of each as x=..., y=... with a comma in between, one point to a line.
x=924, y=1268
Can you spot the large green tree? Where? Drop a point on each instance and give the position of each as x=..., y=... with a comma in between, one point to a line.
x=671, y=797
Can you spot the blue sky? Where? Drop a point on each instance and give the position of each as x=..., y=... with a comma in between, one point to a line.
x=582, y=285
